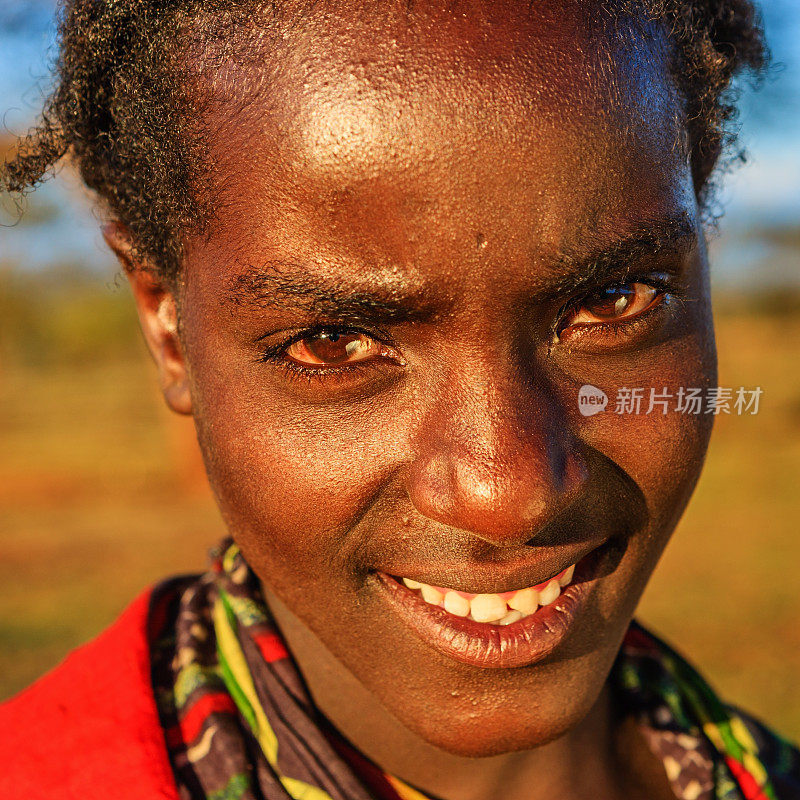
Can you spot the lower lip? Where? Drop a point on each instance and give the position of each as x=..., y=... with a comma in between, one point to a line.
x=525, y=642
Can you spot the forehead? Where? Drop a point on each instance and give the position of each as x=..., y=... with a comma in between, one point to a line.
x=489, y=117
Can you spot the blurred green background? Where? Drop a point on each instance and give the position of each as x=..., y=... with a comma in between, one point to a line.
x=102, y=491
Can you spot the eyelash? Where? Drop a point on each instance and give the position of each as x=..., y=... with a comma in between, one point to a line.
x=667, y=294
x=274, y=354
x=624, y=327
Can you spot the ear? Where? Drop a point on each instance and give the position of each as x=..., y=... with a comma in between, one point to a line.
x=158, y=315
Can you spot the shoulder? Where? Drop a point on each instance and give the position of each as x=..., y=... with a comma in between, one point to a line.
x=780, y=757
x=89, y=728
x=668, y=694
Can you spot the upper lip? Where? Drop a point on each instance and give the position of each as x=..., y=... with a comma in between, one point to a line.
x=491, y=578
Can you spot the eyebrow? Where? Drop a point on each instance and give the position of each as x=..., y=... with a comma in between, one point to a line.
x=575, y=272
x=277, y=283
x=374, y=301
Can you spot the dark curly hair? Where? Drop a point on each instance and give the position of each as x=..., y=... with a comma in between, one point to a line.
x=123, y=97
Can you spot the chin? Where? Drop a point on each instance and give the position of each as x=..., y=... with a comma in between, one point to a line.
x=472, y=733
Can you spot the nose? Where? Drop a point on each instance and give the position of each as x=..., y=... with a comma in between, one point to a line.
x=495, y=458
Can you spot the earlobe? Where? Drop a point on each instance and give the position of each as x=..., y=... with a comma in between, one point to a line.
x=158, y=315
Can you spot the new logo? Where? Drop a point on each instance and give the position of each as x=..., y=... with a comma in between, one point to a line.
x=591, y=400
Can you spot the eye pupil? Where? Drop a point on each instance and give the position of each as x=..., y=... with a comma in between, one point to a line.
x=614, y=303
x=611, y=302
x=333, y=347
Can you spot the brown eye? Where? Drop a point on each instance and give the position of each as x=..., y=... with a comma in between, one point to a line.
x=614, y=303
x=330, y=348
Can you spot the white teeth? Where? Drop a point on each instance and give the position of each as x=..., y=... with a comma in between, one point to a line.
x=488, y=607
x=550, y=592
x=525, y=600
x=431, y=595
x=454, y=603
x=491, y=607
x=512, y=616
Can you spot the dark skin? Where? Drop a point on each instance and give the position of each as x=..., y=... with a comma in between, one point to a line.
x=450, y=191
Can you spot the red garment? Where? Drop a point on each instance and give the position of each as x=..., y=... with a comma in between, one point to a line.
x=90, y=729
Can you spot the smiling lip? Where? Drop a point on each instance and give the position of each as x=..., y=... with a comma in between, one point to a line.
x=519, y=644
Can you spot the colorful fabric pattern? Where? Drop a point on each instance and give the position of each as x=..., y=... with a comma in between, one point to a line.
x=239, y=724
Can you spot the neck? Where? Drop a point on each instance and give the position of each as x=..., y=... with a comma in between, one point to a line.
x=580, y=764
x=603, y=757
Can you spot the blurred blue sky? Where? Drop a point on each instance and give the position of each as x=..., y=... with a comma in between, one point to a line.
x=762, y=198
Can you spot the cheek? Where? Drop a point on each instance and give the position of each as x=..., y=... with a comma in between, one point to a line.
x=664, y=452
x=292, y=480
x=660, y=449
x=660, y=453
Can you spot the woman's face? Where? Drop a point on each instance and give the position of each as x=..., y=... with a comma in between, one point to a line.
x=386, y=330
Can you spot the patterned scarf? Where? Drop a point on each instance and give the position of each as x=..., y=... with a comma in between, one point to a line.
x=240, y=725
